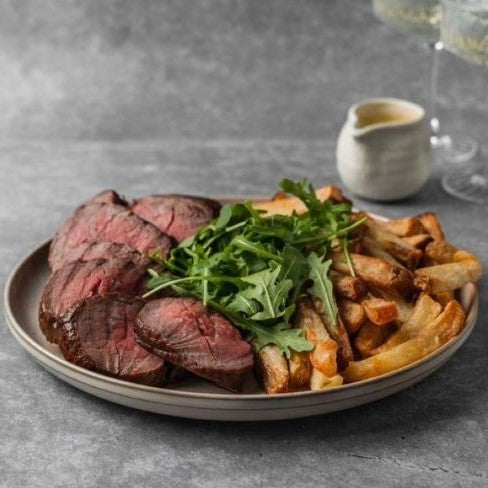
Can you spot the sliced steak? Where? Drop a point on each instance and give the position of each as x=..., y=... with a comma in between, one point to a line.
x=179, y=216
x=81, y=279
x=100, y=222
x=101, y=250
x=186, y=333
x=98, y=334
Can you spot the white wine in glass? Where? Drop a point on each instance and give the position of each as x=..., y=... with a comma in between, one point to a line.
x=422, y=17
x=413, y=16
x=464, y=31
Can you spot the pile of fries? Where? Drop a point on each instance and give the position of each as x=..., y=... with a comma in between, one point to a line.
x=397, y=307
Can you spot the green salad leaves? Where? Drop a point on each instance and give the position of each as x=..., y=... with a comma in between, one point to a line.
x=253, y=268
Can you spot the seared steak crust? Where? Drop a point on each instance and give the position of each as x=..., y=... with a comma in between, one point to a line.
x=108, y=196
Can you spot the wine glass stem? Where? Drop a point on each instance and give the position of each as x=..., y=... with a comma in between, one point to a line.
x=435, y=48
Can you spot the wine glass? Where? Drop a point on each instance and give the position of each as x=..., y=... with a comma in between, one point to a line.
x=464, y=32
x=422, y=17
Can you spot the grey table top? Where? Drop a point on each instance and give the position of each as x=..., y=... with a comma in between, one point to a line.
x=216, y=99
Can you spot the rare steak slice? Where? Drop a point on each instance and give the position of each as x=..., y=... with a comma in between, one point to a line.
x=98, y=334
x=186, y=333
x=100, y=222
x=101, y=250
x=179, y=216
x=81, y=279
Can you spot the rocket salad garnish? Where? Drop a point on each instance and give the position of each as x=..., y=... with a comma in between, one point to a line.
x=253, y=268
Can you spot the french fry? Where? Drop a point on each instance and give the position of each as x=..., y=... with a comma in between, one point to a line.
x=445, y=297
x=347, y=286
x=369, y=337
x=352, y=315
x=435, y=334
x=299, y=369
x=324, y=355
x=449, y=276
x=404, y=307
x=425, y=310
x=440, y=252
x=372, y=248
x=394, y=245
x=289, y=205
x=418, y=241
x=408, y=226
x=379, y=311
x=319, y=381
x=431, y=224
x=273, y=370
x=336, y=331
x=377, y=272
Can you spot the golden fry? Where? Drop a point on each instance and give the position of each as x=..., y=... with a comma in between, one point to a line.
x=273, y=369
x=449, y=276
x=408, y=226
x=425, y=310
x=440, y=252
x=431, y=224
x=319, y=381
x=352, y=315
x=347, y=286
x=394, y=245
x=336, y=331
x=404, y=307
x=299, y=369
x=289, y=205
x=419, y=240
x=372, y=248
x=379, y=311
x=434, y=335
x=377, y=272
x=369, y=337
x=324, y=355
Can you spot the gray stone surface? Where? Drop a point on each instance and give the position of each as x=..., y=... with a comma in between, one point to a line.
x=216, y=97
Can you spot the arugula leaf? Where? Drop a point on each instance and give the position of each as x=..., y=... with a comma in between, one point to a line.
x=269, y=292
x=305, y=192
x=295, y=267
x=285, y=339
x=322, y=285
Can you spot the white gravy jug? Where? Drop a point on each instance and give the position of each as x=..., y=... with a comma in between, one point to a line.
x=383, y=150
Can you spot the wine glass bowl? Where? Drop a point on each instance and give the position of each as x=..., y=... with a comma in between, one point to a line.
x=423, y=17
x=464, y=31
x=412, y=16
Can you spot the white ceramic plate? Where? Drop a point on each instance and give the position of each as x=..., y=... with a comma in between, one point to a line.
x=197, y=398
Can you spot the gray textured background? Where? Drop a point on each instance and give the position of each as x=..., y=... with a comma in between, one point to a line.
x=217, y=97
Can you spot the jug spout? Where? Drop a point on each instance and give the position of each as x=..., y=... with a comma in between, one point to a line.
x=372, y=116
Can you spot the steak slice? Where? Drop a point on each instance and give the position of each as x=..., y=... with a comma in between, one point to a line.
x=179, y=216
x=81, y=279
x=101, y=250
x=98, y=334
x=186, y=333
x=99, y=222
